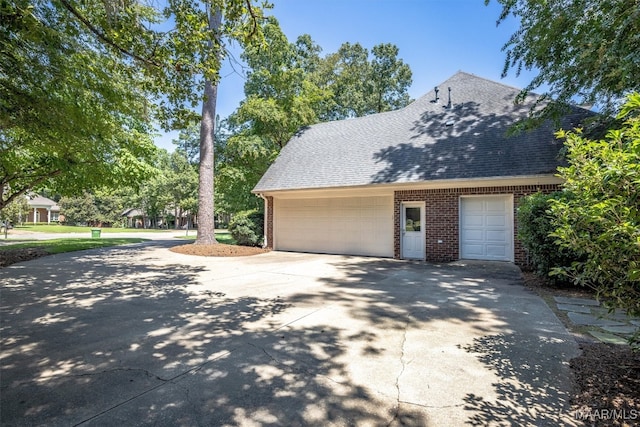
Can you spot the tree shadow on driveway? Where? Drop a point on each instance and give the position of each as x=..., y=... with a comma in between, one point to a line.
x=122, y=336
x=105, y=339
x=478, y=348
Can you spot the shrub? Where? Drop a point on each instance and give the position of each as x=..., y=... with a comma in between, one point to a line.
x=535, y=225
x=247, y=227
x=602, y=220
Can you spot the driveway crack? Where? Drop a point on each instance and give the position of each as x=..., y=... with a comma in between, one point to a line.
x=403, y=366
x=163, y=382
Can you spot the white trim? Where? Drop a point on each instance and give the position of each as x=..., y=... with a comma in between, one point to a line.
x=384, y=189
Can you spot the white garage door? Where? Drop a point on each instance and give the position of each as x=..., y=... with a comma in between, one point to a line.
x=486, y=228
x=342, y=225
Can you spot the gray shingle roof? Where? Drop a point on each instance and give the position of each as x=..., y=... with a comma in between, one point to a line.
x=424, y=141
x=36, y=200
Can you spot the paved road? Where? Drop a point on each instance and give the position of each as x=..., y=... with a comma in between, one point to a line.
x=139, y=335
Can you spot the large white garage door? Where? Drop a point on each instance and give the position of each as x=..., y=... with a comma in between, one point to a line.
x=486, y=228
x=341, y=225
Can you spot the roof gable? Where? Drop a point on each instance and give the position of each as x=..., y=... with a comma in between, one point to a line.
x=462, y=135
x=36, y=200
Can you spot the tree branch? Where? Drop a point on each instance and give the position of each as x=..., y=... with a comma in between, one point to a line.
x=254, y=17
x=103, y=37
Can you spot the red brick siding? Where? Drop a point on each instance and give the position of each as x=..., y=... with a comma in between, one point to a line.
x=442, y=216
x=43, y=214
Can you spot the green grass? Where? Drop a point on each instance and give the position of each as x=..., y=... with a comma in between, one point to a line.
x=221, y=237
x=57, y=246
x=56, y=228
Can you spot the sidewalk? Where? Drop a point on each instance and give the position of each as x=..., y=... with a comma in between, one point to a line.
x=608, y=327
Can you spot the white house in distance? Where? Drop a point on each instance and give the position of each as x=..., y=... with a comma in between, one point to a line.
x=42, y=209
x=438, y=180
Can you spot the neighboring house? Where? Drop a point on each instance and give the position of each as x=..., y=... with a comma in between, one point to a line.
x=438, y=180
x=134, y=218
x=42, y=209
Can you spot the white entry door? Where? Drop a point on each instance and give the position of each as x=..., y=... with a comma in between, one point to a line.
x=412, y=233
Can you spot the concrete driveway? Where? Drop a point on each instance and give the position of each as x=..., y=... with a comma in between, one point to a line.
x=139, y=335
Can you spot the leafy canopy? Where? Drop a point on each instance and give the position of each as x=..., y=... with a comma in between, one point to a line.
x=289, y=86
x=71, y=115
x=82, y=85
x=586, y=51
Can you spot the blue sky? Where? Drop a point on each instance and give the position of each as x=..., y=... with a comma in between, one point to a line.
x=436, y=39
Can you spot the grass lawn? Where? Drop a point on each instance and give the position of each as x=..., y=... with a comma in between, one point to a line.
x=221, y=237
x=56, y=228
x=10, y=254
x=57, y=246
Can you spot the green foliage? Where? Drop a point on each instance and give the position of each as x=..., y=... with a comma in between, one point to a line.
x=290, y=86
x=79, y=210
x=361, y=85
x=83, y=83
x=584, y=51
x=601, y=222
x=247, y=227
x=535, y=226
x=16, y=211
x=72, y=115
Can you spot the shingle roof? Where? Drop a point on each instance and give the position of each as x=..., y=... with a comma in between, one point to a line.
x=424, y=141
x=36, y=200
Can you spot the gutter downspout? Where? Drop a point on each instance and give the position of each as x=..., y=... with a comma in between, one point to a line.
x=265, y=243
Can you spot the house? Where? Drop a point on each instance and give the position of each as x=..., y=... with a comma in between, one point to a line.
x=439, y=180
x=42, y=209
x=133, y=217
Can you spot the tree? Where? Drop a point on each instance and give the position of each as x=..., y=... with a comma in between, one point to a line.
x=182, y=185
x=80, y=209
x=361, y=86
x=108, y=70
x=16, y=211
x=601, y=219
x=390, y=79
x=586, y=51
x=290, y=86
x=72, y=116
x=280, y=99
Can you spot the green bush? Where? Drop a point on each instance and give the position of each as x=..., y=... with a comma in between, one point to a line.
x=535, y=225
x=602, y=220
x=247, y=227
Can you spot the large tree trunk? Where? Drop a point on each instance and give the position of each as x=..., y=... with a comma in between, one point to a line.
x=206, y=223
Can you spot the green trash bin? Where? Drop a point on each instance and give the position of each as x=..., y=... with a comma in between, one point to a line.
x=95, y=233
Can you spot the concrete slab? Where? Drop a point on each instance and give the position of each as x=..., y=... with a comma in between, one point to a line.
x=576, y=301
x=608, y=338
x=575, y=308
x=619, y=315
x=141, y=335
x=624, y=329
x=591, y=320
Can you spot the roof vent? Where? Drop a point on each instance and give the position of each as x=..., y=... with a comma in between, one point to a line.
x=449, y=103
x=449, y=123
x=436, y=91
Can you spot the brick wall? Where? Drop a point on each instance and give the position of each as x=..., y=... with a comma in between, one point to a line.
x=442, y=217
x=41, y=211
